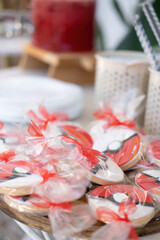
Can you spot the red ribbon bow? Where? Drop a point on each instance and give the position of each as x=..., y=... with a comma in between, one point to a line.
x=45, y=203
x=126, y=207
x=111, y=119
x=47, y=117
x=89, y=153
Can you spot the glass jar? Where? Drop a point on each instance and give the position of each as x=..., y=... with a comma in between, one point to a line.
x=64, y=25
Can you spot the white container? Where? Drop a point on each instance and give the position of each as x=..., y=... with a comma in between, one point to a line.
x=118, y=71
x=152, y=114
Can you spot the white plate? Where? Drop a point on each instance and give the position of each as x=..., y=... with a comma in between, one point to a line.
x=21, y=93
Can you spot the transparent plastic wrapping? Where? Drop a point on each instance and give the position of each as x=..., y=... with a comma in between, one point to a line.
x=17, y=178
x=97, y=166
x=55, y=124
x=121, y=111
x=147, y=179
x=122, y=144
x=68, y=222
x=63, y=188
x=153, y=149
x=122, y=203
x=25, y=204
x=118, y=230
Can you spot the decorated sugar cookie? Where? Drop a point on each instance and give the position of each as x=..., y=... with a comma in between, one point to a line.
x=121, y=144
x=24, y=203
x=18, y=178
x=149, y=180
x=99, y=168
x=153, y=152
x=104, y=172
x=140, y=202
x=56, y=124
x=97, y=130
x=69, y=129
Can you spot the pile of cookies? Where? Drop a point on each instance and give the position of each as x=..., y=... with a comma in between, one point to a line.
x=55, y=162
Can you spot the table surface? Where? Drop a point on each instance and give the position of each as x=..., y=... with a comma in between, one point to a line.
x=84, y=119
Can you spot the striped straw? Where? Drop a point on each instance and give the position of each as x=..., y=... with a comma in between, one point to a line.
x=146, y=44
x=152, y=19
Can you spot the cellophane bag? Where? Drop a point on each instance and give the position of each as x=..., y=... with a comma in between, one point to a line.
x=121, y=110
x=122, y=203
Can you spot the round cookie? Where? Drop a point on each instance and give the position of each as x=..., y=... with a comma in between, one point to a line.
x=149, y=180
x=104, y=172
x=121, y=144
x=18, y=178
x=66, y=128
x=153, y=152
x=111, y=197
x=97, y=130
x=24, y=204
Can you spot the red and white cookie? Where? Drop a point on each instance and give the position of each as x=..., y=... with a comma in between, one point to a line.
x=18, y=178
x=153, y=152
x=104, y=172
x=112, y=196
x=70, y=129
x=97, y=130
x=149, y=180
x=121, y=144
x=24, y=204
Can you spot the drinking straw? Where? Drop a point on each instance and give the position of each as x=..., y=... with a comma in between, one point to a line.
x=145, y=43
x=152, y=19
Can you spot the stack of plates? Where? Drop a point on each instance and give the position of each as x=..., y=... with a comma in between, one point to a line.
x=21, y=93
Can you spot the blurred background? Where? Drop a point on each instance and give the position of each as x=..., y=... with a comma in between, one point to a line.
x=113, y=26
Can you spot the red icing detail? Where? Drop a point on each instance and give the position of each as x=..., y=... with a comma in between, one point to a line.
x=78, y=133
x=128, y=152
x=6, y=169
x=148, y=183
x=135, y=193
x=153, y=149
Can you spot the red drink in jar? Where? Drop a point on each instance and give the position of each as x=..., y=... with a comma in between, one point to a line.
x=64, y=25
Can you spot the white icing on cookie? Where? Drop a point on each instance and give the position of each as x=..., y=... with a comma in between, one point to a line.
x=112, y=136
x=97, y=129
x=153, y=173
x=142, y=211
x=53, y=128
x=27, y=180
x=110, y=171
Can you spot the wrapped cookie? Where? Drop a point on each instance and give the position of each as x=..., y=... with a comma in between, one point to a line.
x=122, y=144
x=119, y=200
x=17, y=178
x=121, y=110
x=119, y=229
x=148, y=180
x=67, y=222
x=97, y=166
x=28, y=203
x=153, y=149
x=55, y=124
